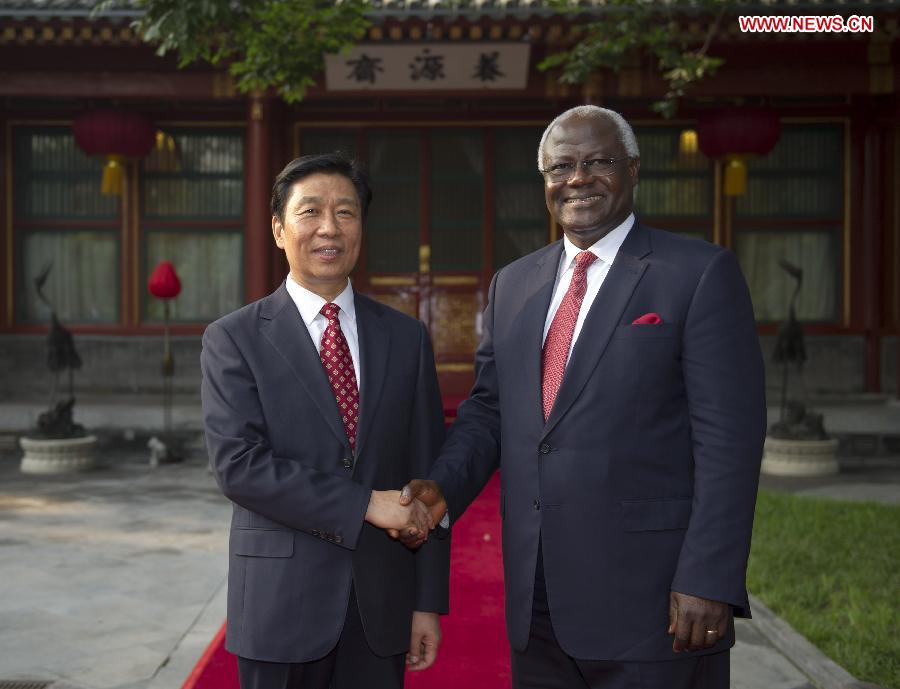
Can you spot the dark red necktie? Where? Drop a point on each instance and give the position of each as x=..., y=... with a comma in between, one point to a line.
x=335, y=355
x=559, y=336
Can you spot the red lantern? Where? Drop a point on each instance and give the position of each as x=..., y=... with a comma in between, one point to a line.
x=164, y=282
x=115, y=135
x=734, y=134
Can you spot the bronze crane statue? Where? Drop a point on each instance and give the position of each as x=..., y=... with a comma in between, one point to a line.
x=61, y=356
x=789, y=345
x=61, y=352
x=795, y=421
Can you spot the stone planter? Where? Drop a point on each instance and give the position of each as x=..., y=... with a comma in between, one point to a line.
x=800, y=457
x=58, y=456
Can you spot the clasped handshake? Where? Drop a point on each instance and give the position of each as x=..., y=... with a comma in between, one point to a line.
x=408, y=515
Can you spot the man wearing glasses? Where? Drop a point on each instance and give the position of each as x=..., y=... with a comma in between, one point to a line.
x=619, y=386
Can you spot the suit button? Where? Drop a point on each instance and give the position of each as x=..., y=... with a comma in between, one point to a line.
x=545, y=449
x=348, y=463
x=537, y=504
x=315, y=532
x=338, y=539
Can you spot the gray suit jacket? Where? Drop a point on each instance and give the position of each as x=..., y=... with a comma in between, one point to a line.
x=280, y=454
x=644, y=477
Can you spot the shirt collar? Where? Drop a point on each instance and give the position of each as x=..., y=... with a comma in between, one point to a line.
x=604, y=248
x=309, y=304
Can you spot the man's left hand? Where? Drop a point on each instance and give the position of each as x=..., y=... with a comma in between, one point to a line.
x=424, y=640
x=697, y=623
x=410, y=520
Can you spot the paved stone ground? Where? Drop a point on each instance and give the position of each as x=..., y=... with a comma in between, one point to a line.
x=874, y=479
x=105, y=573
x=114, y=579
x=757, y=664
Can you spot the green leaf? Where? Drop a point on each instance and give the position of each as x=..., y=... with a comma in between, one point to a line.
x=264, y=44
x=639, y=30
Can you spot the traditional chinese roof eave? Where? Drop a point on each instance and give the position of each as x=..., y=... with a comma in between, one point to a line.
x=49, y=15
x=597, y=8
x=448, y=10
x=454, y=14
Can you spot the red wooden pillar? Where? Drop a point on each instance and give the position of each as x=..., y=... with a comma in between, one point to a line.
x=487, y=220
x=871, y=246
x=892, y=254
x=6, y=267
x=280, y=154
x=257, y=185
x=424, y=278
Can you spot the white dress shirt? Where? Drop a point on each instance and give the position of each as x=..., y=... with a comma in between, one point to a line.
x=605, y=249
x=309, y=304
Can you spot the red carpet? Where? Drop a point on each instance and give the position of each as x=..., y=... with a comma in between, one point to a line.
x=216, y=669
x=474, y=653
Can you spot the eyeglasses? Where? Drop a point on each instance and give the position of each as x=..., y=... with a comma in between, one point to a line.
x=595, y=167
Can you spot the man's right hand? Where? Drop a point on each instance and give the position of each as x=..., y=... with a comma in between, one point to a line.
x=409, y=520
x=429, y=493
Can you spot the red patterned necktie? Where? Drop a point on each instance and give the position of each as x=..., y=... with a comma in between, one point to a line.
x=559, y=337
x=335, y=355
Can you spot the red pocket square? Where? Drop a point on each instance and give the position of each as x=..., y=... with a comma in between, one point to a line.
x=648, y=319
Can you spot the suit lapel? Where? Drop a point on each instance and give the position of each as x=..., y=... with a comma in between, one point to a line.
x=602, y=319
x=281, y=325
x=528, y=339
x=374, y=347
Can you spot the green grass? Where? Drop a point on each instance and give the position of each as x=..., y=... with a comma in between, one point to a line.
x=832, y=570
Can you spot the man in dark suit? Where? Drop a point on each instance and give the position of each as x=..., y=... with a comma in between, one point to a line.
x=619, y=386
x=316, y=401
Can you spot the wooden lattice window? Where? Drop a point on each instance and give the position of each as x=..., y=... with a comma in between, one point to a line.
x=192, y=211
x=60, y=217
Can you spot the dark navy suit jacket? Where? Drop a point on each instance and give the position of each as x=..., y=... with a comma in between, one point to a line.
x=280, y=454
x=644, y=477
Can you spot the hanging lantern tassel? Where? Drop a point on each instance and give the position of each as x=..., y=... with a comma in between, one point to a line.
x=113, y=176
x=735, y=175
x=687, y=142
